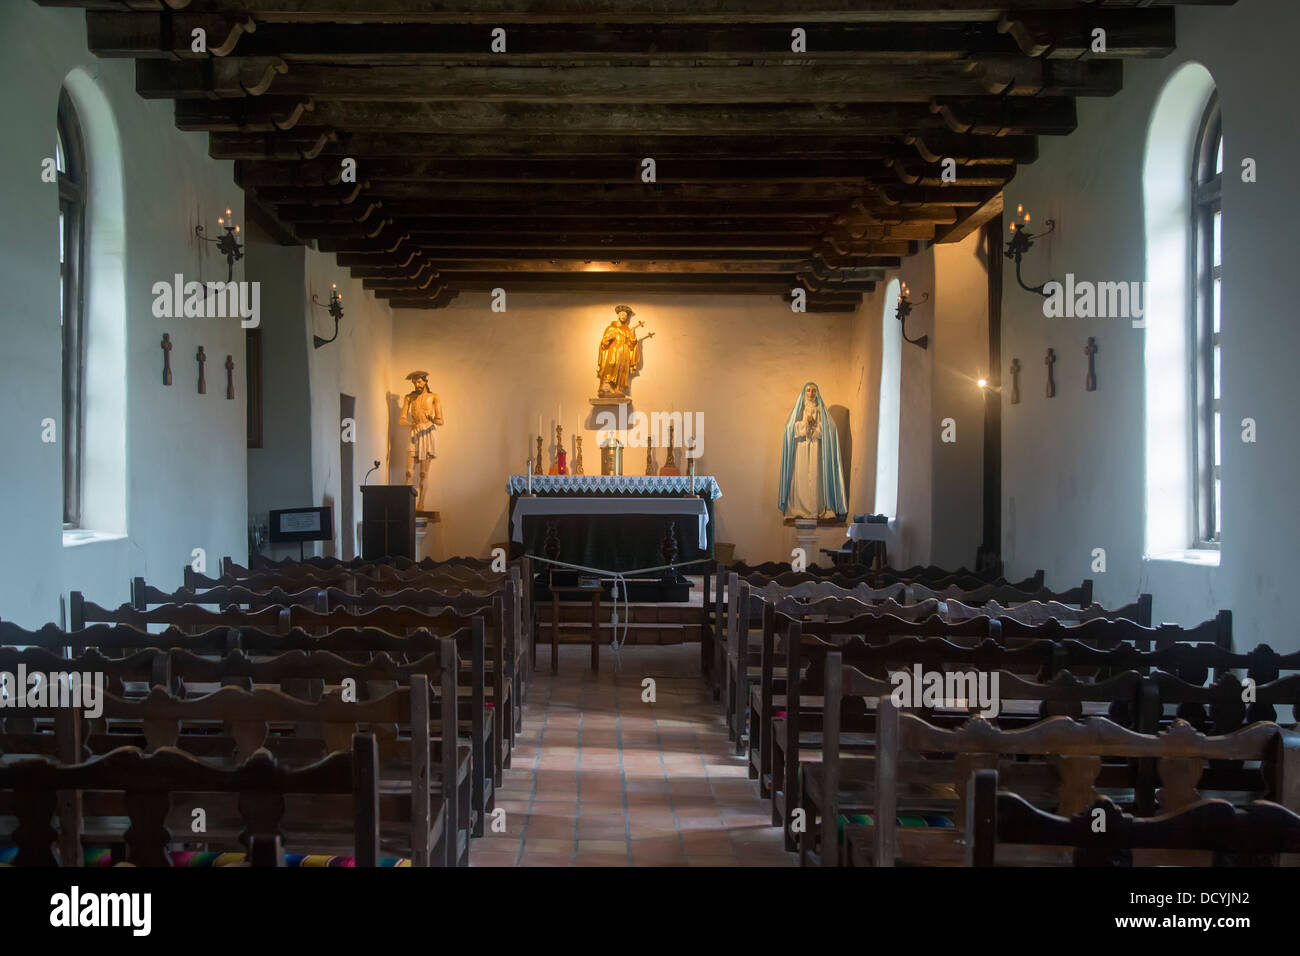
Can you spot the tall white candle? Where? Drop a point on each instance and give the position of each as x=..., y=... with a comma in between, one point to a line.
x=539, y=424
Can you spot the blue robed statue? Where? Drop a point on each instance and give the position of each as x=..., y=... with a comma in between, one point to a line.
x=812, y=479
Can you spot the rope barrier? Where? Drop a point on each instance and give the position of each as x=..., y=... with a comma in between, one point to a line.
x=618, y=578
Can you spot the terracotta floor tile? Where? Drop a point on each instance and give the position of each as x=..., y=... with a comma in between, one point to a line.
x=599, y=775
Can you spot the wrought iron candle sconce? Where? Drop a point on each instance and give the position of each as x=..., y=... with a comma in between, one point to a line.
x=905, y=306
x=336, y=312
x=227, y=243
x=1021, y=241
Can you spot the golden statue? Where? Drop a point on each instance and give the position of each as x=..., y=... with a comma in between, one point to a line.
x=619, y=355
x=422, y=412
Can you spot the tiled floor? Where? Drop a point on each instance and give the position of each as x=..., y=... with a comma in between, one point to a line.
x=602, y=778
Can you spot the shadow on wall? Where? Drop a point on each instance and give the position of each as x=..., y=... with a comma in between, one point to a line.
x=398, y=437
x=328, y=548
x=840, y=416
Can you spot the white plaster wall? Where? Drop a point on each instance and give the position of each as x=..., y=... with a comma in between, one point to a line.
x=960, y=343
x=739, y=360
x=358, y=363
x=917, y=426
x=1073, y=465
x=185, y=484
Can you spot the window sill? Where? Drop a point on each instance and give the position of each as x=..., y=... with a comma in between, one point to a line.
x=1202, y=557
x=76, y=537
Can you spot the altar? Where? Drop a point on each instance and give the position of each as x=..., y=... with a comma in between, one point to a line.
x=617, y=523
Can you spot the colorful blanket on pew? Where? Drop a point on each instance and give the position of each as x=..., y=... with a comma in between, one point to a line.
x=203, y=859
x=908, y=820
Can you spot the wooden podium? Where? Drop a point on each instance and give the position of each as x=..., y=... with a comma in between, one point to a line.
x=387, y=521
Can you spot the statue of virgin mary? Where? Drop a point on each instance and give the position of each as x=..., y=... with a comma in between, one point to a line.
x=812, y=479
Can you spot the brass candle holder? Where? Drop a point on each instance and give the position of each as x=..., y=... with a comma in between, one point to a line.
x=577, y=455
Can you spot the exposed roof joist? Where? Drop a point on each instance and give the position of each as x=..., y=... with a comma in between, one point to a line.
x=777, y=166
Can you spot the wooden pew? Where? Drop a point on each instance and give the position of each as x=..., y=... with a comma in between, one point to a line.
x=791, y=729
x=920, y=767
x=1258, y=834
x=423, y=793
x=146, y=789
x=300, y=663
x=334, y=607
x=466, y=573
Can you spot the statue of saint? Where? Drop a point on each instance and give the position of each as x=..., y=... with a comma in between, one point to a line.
x=812, y=479
x=422, y=412
x=619, y=355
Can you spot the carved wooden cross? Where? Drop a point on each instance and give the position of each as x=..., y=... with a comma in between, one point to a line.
x=1049, y=360
x=1015, y=381
x=203, y=382
x=1090, y=350
x=167, y=358
x=230, y=376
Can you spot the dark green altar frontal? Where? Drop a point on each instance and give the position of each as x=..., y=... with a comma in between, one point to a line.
x=616, y=542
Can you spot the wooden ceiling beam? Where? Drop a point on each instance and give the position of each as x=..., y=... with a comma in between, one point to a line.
x=491, y=13
x=804, y=83
x=311, y=142
x=524, y=193
x=990, y=115
x=799, y=230
x=382, y=172
x=1139, y=32
x=591, y=242
x=1068, y=34
x=272, y=112
x=484, y=211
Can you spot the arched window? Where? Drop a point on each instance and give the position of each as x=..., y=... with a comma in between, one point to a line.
x=1180, y=186
x=70, y=160
x=1206, y=298
x=891, y=381
x=92, y=213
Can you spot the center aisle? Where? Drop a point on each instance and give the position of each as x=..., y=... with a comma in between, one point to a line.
x=602, y=778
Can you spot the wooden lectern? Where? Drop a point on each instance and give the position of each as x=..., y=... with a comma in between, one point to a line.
x=387, y=521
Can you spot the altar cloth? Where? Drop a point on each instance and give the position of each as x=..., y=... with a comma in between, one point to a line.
x=527, y=507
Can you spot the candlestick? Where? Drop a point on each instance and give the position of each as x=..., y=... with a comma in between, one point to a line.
x=530, y=476
x=538, y=466
x=577, y=458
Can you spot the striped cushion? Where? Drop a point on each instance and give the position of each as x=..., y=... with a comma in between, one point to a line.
x=97, y=856
x=910, y=820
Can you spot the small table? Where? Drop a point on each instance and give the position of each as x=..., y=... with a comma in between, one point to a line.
x=874, y=537
x=594, y=593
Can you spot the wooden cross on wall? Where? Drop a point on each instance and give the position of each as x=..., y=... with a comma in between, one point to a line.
x=167, y=358
x=202, y=360
x=1049, y=360
x=1090, y=350
x=1015, y=381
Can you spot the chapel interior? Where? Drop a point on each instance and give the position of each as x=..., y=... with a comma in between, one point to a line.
x=679, y=433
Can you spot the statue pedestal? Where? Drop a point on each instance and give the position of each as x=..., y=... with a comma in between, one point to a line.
x=611, y=400
x=422, y=538
x=805, y=531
